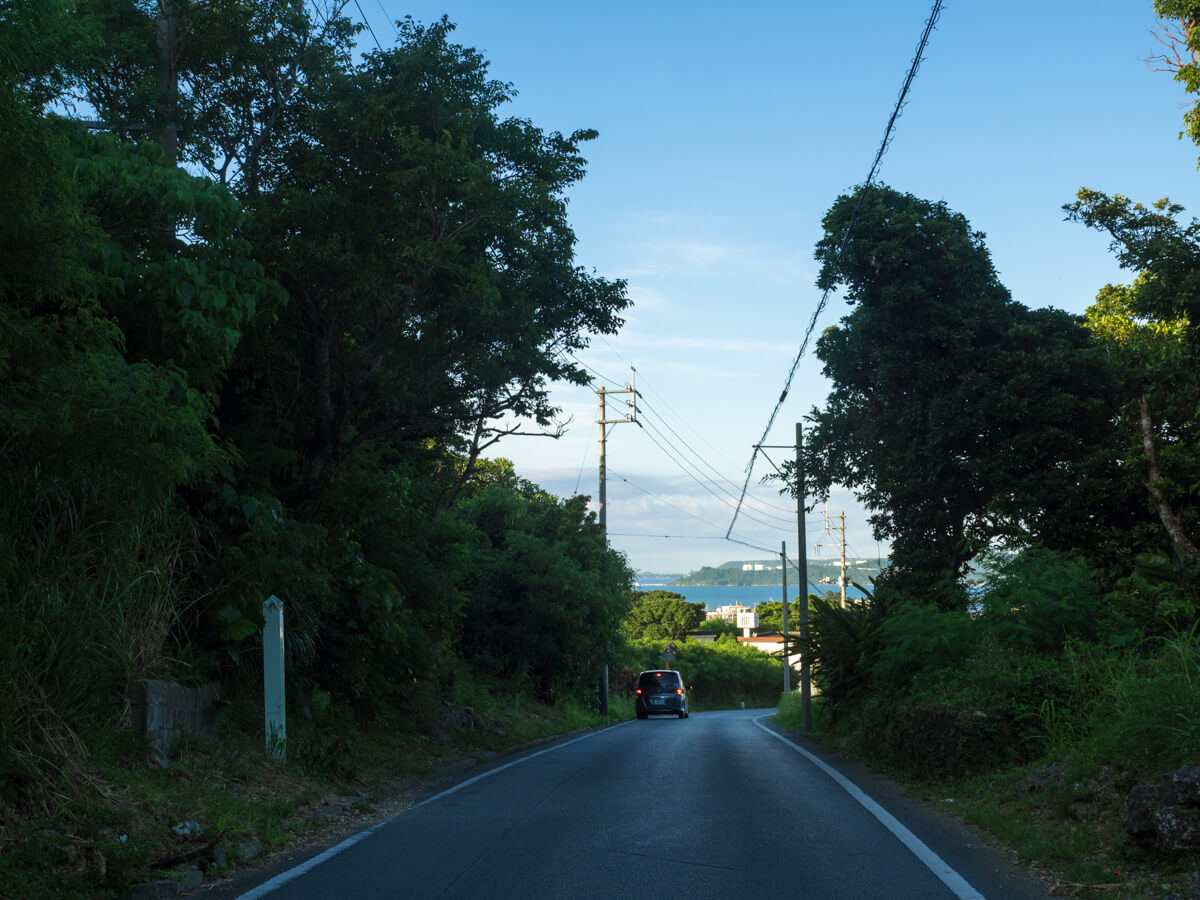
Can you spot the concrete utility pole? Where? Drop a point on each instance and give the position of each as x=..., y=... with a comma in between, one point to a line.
x=632, y=417
x=601, y=504
x=802, y=565
x=842, y=580
x=168, y=81
x=787, y=669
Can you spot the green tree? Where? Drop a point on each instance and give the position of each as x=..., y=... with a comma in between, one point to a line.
x=105, y=415
x=770, y=614
x=546, y=593
x=662, y=615
x=1180, y=37
x=957, y=415
x=424, y=246
x=1148, y=329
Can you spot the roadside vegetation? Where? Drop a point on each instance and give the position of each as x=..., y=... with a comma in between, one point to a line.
x=262, y=354
x=1060, y=456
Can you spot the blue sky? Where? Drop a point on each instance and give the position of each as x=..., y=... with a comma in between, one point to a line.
x=725, y=135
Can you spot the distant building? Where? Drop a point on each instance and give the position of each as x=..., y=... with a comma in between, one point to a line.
x=729, y=613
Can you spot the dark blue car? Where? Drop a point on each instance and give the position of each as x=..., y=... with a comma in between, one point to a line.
x=661, y=692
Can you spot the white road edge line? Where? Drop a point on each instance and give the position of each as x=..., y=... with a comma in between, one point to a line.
x=283, y=878
x=932, y=861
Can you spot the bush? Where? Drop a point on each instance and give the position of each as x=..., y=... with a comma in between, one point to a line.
x=921, y=638
x=722, y=673
x=1040, y=599
x=837, y=640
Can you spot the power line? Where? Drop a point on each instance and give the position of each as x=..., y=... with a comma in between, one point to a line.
x=930, y=23
x=646, y=406
x=387, y=18
x=668, y=537
x=694, y=476
x=658, y=498
x=748, y=544
x=595, y=372
x=667, y=502
x=678, y=456
x=687, y=472
x=682, y=457
x=358, y=6
x=694, y=431
x=583, y=462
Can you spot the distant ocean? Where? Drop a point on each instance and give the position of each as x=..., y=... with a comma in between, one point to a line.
x=714, y=595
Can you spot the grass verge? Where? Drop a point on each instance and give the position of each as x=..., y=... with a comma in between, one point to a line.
x=1061, y=815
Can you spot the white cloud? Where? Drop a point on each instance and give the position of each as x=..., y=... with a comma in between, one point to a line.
x=660, y=258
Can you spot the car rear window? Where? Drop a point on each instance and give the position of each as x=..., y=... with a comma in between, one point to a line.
x=659, y=681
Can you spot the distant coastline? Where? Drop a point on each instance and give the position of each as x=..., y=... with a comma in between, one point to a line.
x=760, y=573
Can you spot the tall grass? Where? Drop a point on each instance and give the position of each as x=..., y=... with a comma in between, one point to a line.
x=88, y=605
x=1149, y=718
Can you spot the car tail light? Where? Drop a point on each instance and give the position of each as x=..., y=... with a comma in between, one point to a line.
x=639, y=690
x=679, y=691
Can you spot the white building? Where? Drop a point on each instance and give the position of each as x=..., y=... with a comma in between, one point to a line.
x=729, y=612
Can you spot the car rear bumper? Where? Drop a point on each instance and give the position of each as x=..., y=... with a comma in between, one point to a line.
x=671, y=706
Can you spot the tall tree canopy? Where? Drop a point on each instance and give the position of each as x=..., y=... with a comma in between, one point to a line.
x=1149, y=329
x=957, y=415
x=429, y=265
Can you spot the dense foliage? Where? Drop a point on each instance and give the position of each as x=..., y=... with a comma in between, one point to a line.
x=274, y=371
x=957, y=415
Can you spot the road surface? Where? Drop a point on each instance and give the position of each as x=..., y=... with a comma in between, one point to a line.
x=718, y=805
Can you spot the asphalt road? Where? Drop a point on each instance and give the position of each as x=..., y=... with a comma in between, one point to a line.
x=717, y=805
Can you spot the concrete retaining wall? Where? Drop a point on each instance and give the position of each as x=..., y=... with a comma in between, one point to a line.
x=164, y=712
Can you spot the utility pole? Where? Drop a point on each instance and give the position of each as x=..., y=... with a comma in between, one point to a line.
x=168, y=81
x=842, y=580
x=802, y=572
x=603, y=420
x=600, y=502
x=166, y=106
x=787, y=668
x=802, y=565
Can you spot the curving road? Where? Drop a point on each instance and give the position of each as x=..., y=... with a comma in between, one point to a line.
x=717, y=805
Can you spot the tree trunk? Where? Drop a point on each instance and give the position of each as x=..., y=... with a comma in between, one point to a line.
x=1169, y=519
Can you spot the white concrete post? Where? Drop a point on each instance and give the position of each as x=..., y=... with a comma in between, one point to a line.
x=274, y=697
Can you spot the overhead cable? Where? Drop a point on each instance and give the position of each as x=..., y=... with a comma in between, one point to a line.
x=930, y=23
x=733, y=485
x=368, y=25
